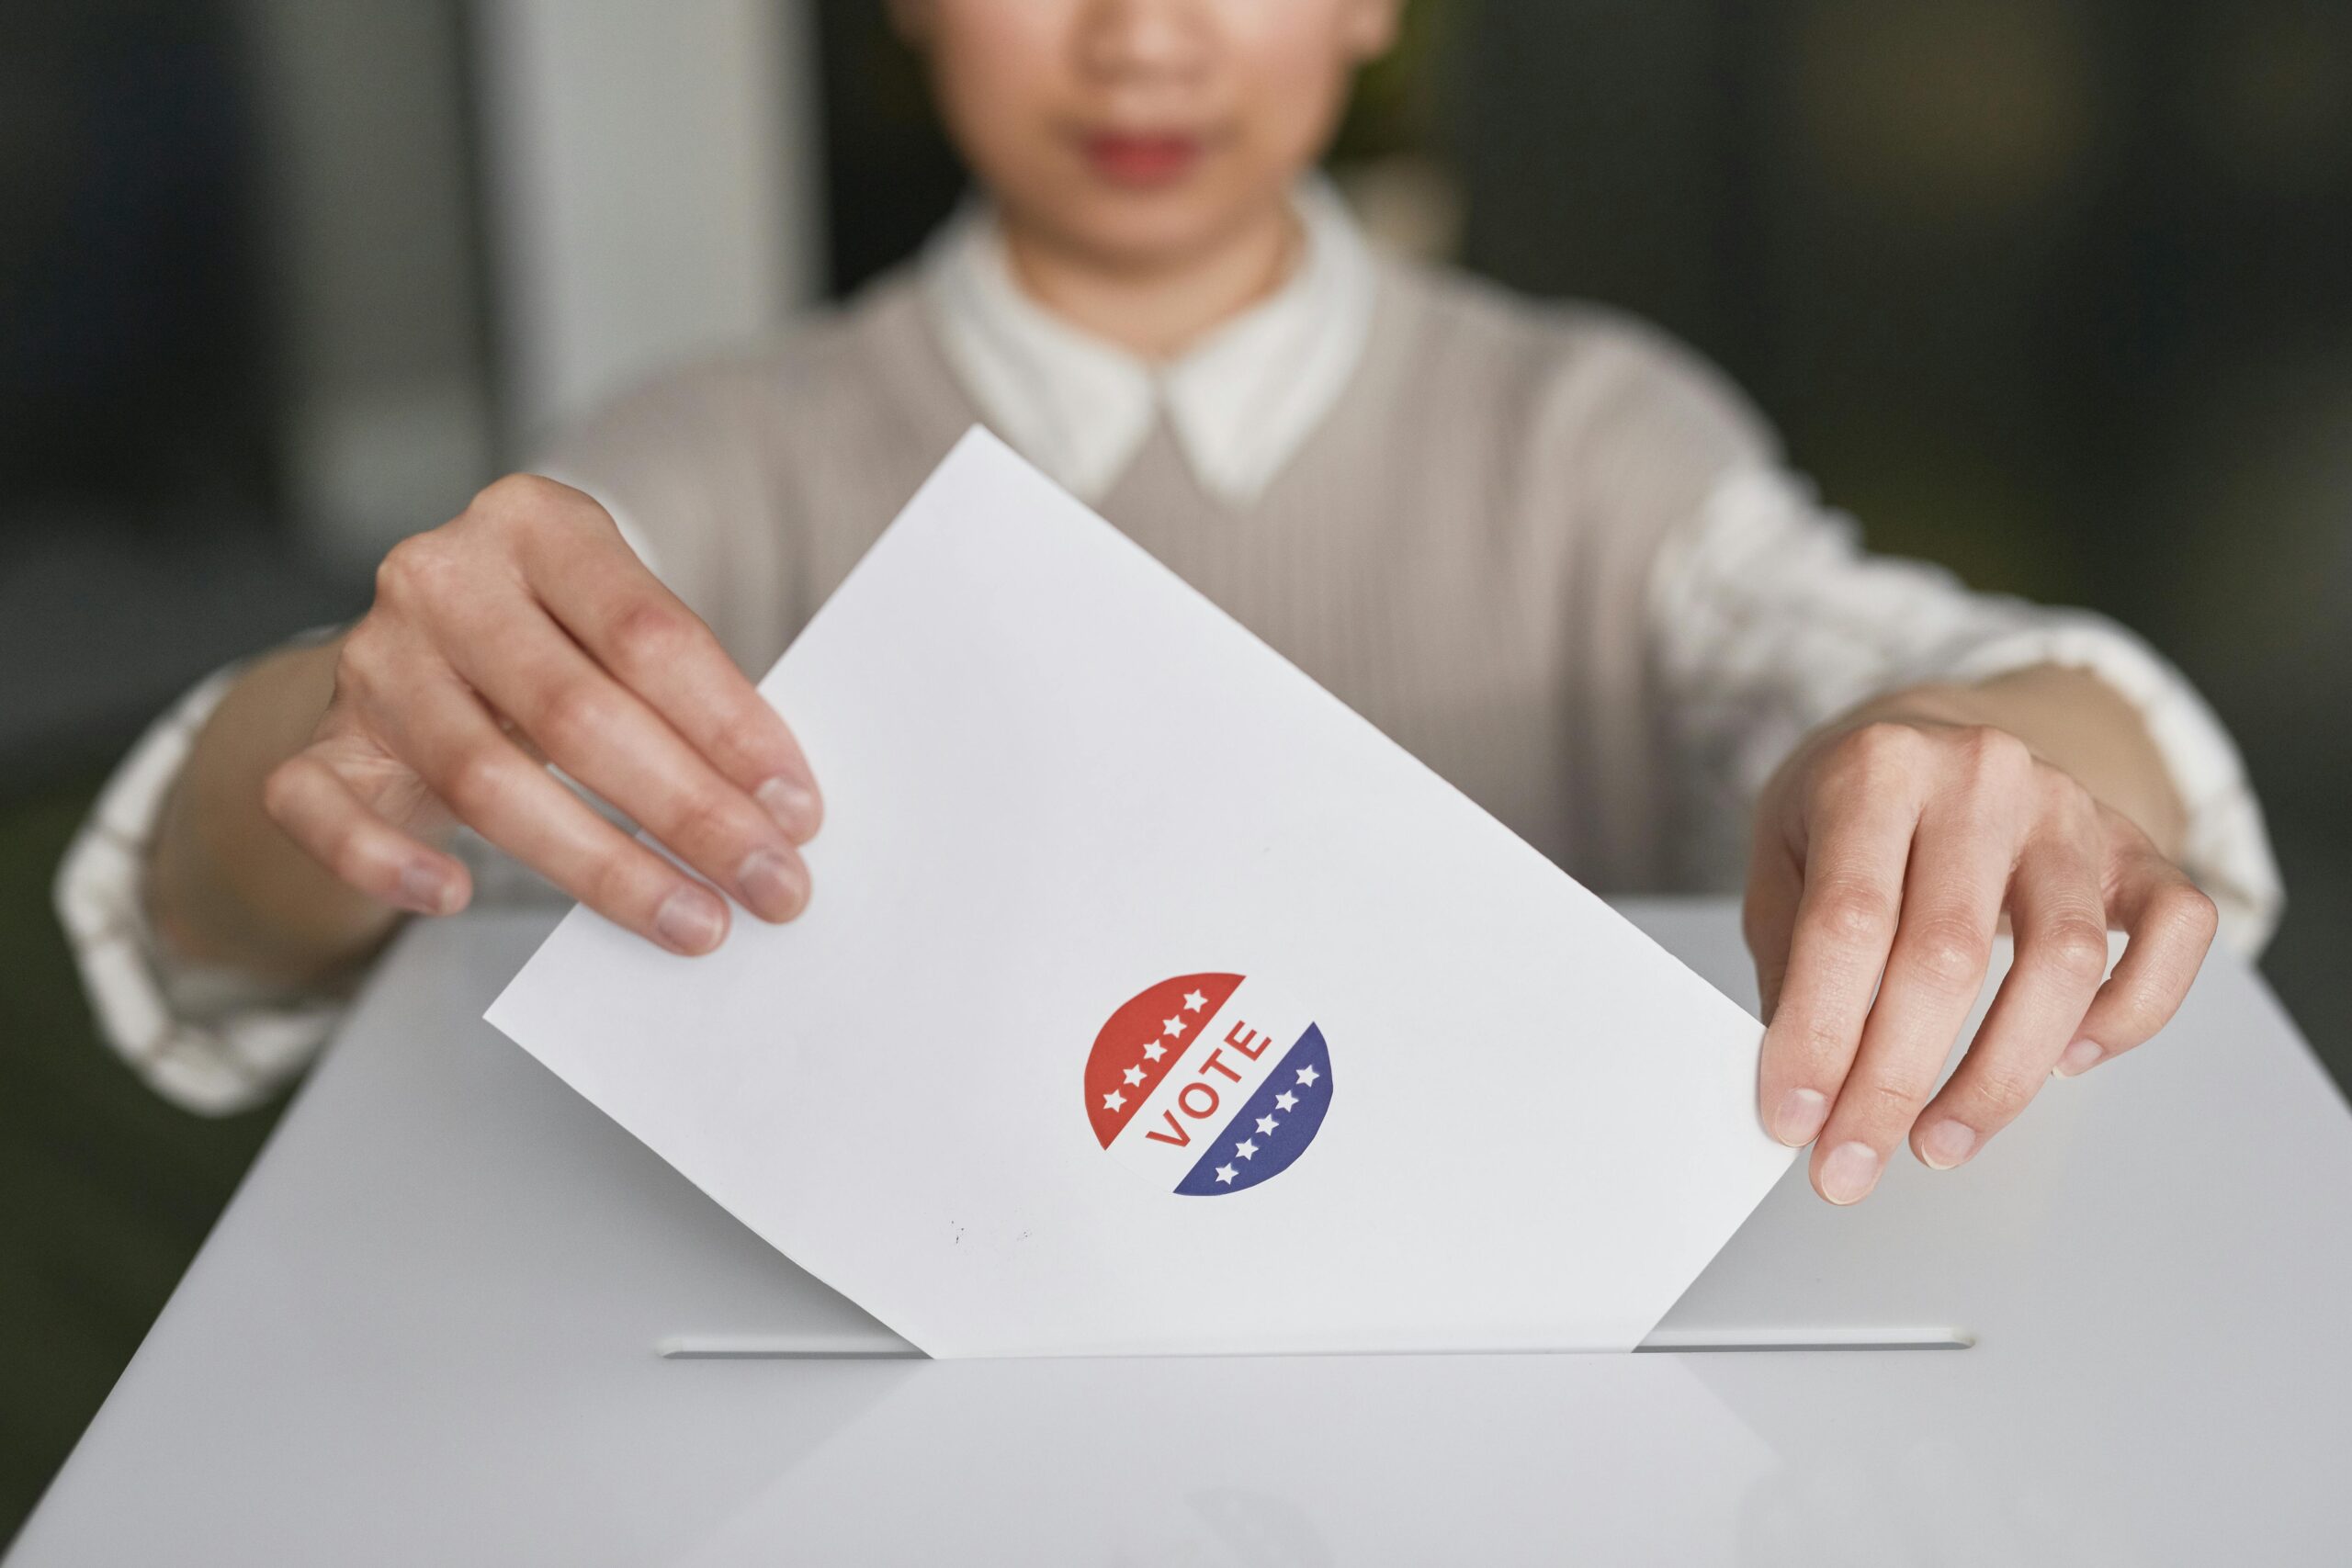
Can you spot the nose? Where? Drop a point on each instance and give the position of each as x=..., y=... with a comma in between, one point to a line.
x=1150, y=39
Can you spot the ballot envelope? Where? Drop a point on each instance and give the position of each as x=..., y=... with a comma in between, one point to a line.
x=1152, y=1002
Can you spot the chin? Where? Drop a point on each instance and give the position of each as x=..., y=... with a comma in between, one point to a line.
x=1144, y=231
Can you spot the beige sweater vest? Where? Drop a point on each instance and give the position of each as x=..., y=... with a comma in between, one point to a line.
x=1461, y=551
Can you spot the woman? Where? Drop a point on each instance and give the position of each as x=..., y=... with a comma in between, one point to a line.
x=1544, y=549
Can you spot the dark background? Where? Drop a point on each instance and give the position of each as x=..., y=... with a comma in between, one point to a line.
x=2053, y=293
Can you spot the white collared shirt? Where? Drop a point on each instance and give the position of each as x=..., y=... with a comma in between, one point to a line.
x=1239, y=402
x=1764, y=619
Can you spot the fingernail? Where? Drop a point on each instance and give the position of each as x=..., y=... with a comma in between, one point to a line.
x=1947, y=1144
x=422, y=889
x=774, y=886
x=2081, y=1058
x=793, y=804
x=690, y=922
x=1849, y=1173
x=1801, y=1116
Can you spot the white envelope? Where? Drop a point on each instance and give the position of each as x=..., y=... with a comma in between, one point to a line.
x=1153, y=1001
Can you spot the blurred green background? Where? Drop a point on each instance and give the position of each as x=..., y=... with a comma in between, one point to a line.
x=2054, y=293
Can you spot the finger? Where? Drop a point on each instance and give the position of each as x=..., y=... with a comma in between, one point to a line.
x=2060, y=926
x=442, y=730
x=315, y=807
x=1952, y=890
x=2171, y=924
x=1768, y=917
x=1844, y=924
x=603, y=735
x=660, y=651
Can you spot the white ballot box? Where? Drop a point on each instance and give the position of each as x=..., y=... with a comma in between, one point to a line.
x=457, y=1316
x=1153, y=1001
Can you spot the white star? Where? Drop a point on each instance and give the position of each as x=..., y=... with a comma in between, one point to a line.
x=1246, y=1149
x=1307, y=1077
x=1195, y=1001
x=1172, y=1026
x=1285, y=1100
x=1154, y=1051
x=1133, y=1075
x=1113, y=1101
x=1225, y=1173
x=1267, y=1124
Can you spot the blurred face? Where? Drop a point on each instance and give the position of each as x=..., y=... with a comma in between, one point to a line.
x=1141, y=133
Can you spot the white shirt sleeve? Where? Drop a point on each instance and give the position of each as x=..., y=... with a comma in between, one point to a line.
x=209, y=1039
x=1768, y=619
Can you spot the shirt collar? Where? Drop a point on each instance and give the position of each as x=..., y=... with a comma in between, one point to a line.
x=1239, y=403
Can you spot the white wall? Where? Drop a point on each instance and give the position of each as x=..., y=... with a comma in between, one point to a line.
x=653, y=183
x=374, y=299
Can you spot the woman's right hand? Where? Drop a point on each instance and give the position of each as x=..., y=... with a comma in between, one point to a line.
x=526, y=631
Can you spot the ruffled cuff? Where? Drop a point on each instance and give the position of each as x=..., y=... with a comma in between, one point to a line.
x=207, y=1038
x=2226, y=847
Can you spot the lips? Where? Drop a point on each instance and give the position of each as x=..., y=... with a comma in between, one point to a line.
x=1142, y=159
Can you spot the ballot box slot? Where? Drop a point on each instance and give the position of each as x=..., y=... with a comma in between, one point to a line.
x=1870, y=1339
x=1666, y=1340
x=782, y=1350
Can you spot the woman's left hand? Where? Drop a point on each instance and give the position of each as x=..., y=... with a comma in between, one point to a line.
x=1888, y=850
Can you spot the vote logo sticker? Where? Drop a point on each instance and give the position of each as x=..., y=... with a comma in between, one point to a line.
x=1208, y=1084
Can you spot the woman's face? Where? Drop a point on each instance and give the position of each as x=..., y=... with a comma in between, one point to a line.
x=1142, y=133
